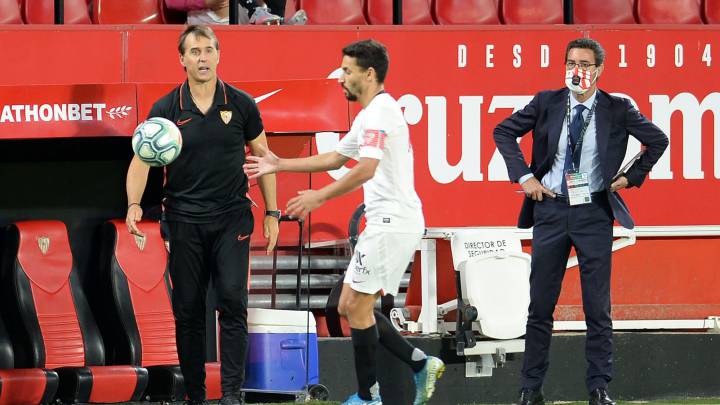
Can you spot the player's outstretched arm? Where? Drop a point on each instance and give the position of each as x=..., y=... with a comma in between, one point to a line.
x=309, y=200
x=266, y=162
x=135, y=183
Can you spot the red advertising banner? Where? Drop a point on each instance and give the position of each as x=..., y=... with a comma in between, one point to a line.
x=290, y=106
x=456, y=84
x=63, y=111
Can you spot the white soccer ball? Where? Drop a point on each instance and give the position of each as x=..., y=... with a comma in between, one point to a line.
x=157, y=141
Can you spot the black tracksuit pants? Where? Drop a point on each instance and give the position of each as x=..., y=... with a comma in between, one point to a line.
x=220, y=250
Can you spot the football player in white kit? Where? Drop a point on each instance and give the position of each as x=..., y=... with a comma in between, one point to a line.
x=379, y=140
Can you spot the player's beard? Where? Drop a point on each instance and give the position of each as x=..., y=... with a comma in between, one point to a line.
x=349, y=95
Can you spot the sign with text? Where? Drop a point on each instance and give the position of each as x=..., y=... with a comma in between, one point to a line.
x=62, y=111
x=466, y=245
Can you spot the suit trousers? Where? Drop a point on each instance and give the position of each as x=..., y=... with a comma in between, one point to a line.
x=558, y=227
x=220, y=250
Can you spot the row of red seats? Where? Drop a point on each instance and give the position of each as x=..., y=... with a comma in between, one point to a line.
x=361, y=12
x=84, y=12
x=55, y=349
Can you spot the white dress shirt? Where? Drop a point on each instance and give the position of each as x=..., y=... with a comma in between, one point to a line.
x=589, y=159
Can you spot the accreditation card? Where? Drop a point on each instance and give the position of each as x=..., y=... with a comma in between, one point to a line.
x=578, y=186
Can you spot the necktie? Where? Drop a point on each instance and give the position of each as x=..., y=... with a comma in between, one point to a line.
x=576, y=126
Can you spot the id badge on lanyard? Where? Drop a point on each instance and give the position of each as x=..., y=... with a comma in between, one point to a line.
x=578, y=182
x=578, y=186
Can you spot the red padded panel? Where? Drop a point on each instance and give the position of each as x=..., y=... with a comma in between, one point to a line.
x=532, y=11
x=446, y=287
x=22, y=386
x=711, y=11
x=341, y=12
x=144, y=263
x=414, y=12
x=49, y=276
x=64, y=346
x=118, y=12
x=43, y=12
x=668, y=11
x=10, y=12
x=112, y=384
x=466, y=12
x=145, y=271
x=212, y=380
x=322, y=328
x=49, y=270
x=604, y=12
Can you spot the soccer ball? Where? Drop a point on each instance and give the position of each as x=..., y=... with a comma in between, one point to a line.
x=157, y=141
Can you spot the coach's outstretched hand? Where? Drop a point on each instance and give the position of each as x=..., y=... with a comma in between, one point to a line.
x=257, y=166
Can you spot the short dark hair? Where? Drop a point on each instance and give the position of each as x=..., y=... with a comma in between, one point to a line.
x=197, y=30
x=587, y=43
x=370, y=54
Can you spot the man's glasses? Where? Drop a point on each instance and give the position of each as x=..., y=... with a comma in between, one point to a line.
x=583, y=65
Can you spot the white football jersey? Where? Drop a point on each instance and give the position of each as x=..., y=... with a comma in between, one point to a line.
x=380, y=132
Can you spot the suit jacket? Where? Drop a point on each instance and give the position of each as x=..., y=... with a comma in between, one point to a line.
x=615, y=119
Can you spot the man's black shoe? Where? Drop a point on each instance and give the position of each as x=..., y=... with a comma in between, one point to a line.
x=231, y=399
x=600, y=396
x=531, y=397
x=191, y=402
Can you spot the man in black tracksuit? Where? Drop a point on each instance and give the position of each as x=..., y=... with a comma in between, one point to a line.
x=207, y=210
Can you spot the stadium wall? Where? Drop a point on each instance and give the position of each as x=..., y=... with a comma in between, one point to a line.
x=456, y=84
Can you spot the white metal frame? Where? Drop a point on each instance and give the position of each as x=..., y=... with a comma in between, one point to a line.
x=428, y=320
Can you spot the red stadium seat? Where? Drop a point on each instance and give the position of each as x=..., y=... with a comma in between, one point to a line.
x=10, y=12
x=604, y=12
x=711, y=11
x=668, y=11
x=169, y=16
x=341, y=12
x=466, y=12
x=532, y=11
x=23, y=385
x=51, y=315
x=43, y=12
x=139, y=284
x=415, y=12
x=118, y=12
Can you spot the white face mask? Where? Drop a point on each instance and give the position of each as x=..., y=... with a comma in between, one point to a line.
x=579, y=80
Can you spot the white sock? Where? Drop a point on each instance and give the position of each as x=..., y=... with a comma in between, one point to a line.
x=418, y=355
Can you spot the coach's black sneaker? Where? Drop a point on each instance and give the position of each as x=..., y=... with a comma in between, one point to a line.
x=600, y=396
x=531, y=397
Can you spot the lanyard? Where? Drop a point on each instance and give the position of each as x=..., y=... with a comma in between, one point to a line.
x=582, y=132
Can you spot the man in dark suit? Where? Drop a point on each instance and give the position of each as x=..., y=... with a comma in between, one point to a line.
x=580, y=137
